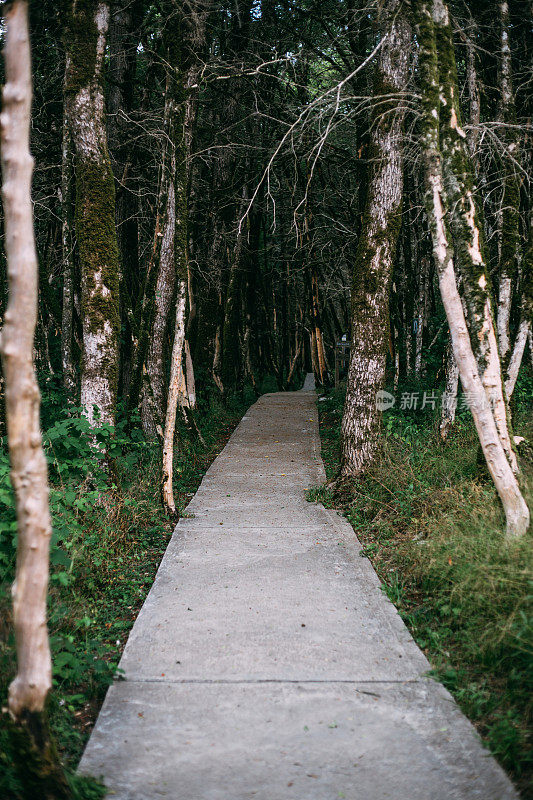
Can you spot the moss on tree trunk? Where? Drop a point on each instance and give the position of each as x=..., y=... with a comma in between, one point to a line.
x=86, y=23
x=375, y=253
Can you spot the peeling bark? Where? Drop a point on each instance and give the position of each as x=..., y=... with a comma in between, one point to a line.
x=428, y=18
x=174, y=389
x=467, y=230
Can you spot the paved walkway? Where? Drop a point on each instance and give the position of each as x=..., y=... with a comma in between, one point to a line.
x=266, y=663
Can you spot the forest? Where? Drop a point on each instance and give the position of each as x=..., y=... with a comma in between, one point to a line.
x=221, y=199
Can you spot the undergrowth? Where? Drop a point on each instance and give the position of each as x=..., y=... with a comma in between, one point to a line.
x=429, y=519
x=109, y=534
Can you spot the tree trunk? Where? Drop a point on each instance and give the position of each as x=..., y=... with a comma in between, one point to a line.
x=317, y=330
x=177, y=385
x=375, y=253
x=421, y=314
x=467, y=232
x=30, y=687
x=174, y=389
x=189, y=372
x=526, y=313
x=124, y=23
x=153, y=394
x=428, y=18
x=232, y=368
x=510, y=236
x=474, y=115
x=153, y=398
x=67, y=256
x=449, y=402
x=516, y=356
x=85, y=38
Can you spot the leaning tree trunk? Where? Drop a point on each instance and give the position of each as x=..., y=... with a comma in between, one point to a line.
x=30, y=687
x=467, y=231
x=85, y=37
x=428, y=17
x=374, y=260
x=449, y=405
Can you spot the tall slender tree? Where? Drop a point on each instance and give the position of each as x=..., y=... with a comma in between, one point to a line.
x=33, y=680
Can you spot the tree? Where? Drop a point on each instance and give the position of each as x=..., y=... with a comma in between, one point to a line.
x=181, y=382
x=477, y=375
x=86, y=23
x=163, y=261
x=372, y=270
x=30, y=687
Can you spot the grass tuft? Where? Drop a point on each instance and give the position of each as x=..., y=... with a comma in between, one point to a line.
x=109, y=535
x=430, y=521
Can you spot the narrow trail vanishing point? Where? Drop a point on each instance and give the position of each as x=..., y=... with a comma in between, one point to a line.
x=266, y=662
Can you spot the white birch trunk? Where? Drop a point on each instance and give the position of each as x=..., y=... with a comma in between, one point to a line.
x=174, y=390
x=457, y=177
x=524, y=330
x=28, y=691
x=516, y=510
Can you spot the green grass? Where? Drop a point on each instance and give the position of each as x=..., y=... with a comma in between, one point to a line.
x=430, y=521
x=109, y=534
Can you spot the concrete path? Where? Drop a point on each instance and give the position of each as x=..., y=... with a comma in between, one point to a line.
x=266, y=663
